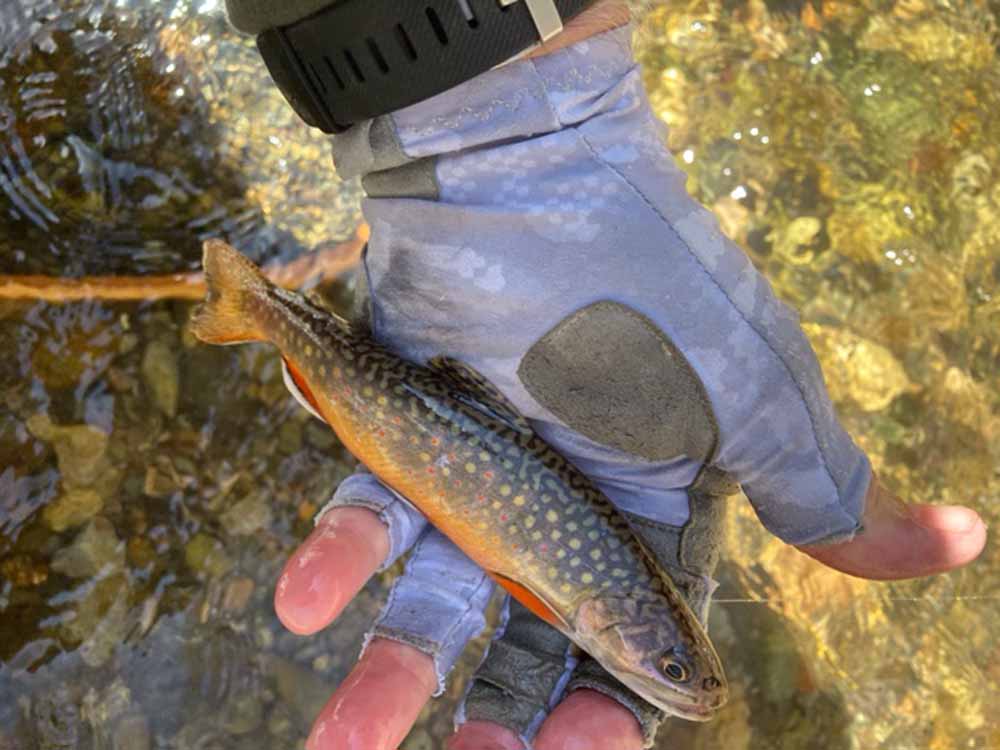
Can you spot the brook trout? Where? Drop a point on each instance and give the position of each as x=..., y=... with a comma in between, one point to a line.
x=447, y=440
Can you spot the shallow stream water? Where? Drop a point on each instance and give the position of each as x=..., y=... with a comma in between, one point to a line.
x=151, y=488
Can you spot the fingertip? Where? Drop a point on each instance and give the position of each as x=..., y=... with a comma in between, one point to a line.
x=588, y=720
x=484, y=735
x=375, y=707
x=329, y=568
x=955, y=519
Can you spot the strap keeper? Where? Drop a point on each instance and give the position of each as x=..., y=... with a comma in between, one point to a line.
x=545, y=15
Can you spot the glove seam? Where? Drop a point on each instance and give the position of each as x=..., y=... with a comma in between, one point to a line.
x=812, y=420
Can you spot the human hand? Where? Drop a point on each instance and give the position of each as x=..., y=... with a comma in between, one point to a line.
x=648, y=367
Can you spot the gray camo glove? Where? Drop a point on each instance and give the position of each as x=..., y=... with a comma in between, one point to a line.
x=532, y=224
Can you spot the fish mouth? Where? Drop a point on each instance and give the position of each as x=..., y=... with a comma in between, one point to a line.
x=673, y=702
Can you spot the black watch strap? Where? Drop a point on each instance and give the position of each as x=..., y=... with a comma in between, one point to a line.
x=359, y=59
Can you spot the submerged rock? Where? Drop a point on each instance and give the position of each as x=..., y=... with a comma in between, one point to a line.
x=95, y=549
x=80, y=449
x=207, y=556
x=248, y=515
x=72, y=508
x=161, y=374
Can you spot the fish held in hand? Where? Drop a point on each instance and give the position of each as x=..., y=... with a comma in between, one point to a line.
x=446, y=439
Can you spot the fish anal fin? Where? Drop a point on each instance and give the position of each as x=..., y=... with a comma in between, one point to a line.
x=298, y=386
x=479, y=392
x=534, y=603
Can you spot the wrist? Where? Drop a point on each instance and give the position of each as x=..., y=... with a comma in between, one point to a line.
x=602, y=16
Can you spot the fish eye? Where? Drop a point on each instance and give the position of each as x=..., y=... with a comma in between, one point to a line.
x=674, y=668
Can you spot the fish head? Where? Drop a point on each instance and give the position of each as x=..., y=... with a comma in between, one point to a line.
x=658, y=650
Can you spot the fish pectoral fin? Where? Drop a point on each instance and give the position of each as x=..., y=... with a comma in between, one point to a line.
x=299, y=388
x=478, y=392
x=532, y=601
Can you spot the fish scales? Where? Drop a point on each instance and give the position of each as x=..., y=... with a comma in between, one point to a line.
x=468, y=473
x=496, y=489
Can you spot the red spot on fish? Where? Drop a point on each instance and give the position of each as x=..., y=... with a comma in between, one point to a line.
x=451, y=456
x=504, y=516
x=430, y=469
x=397, y=420
x=458, y=482
x=381, y=433
x=543, y=547
x=488, y=474
x=481, y=498
x=347, y=390
x=435, y=441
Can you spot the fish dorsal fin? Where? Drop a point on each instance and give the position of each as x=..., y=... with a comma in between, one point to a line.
x=297, y=386
x=532, y=601
x=476, y=391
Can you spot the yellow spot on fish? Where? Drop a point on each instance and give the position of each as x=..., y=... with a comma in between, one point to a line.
x=446, y=471
x=519, y=500
x=595, y=554
x=536, y=536
x=619, y=573
x=587, y=578
x=574, y=544
x=556, y=535
x=351, y=372
x=600, y=567
x=553, y=573
x=425, y=457
x=336, y=372
x=566, y=588
x=322, y=370
x=497, y=505
x=574, y=562
x=414, y=440
x=382, y=401
x=593, y=535
x=470, y=467
x=529, y=521
x=551, y=516
x=560, y=554
x=505, y=489
x=484, y=456
x=512, y=529
x=572, y=526
x=367, y=391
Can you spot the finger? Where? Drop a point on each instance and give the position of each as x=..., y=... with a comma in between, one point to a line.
x=345, y=549
x=523, y=673
x=438, y=604
x=587, y=720
x=484, y=735
x=329, y=568
x=374, y=708
x=905, y=541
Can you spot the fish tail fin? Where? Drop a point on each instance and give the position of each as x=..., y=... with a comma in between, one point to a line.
x=227, y=315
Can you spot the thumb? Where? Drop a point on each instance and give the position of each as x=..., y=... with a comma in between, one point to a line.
x=899, y=540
